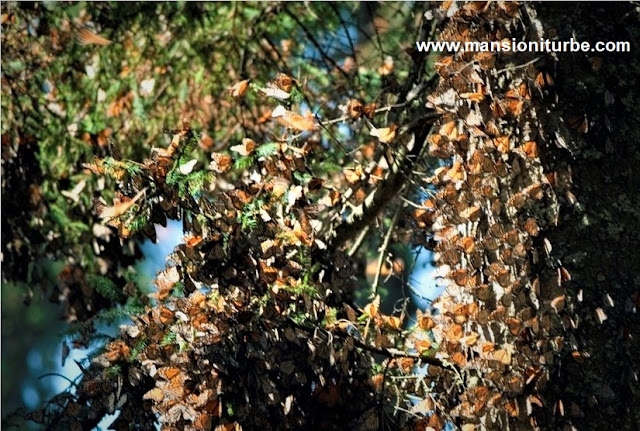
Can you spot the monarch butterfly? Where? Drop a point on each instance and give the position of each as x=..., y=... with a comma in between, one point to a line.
x=558, y=303
x=291, y=120
x=156, y=394
x=386, y=134
x=530, y=148
x=476, y=97
x=512, y=408
x=221, y=162
x=503, y=356
x=543, y=79
x=87, y=37
x=239, y=89
x=354, y=109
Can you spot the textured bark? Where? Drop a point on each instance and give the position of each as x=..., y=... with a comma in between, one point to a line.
x=597, y=236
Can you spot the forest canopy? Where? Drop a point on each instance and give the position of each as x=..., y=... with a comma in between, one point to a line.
x=311, y=151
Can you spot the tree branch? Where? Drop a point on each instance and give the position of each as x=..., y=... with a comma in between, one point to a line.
x=389, y=353
x=383, y=250
x=315, y=43
x=380, y=197
x=383, y=194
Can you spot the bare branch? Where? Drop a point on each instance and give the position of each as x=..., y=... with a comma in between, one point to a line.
x=383, y=250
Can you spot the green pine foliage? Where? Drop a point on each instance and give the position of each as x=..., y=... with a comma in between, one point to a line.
x=120, y=313
x=104, y=286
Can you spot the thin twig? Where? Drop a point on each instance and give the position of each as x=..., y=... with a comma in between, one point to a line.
x=415, y=205
x=406, y=411
x=400, y=172
x=383, y=250
x=57, y=375
x=519, y=66
x=378, y=199
x=384, y=380
x=375, y=29
x=356, y=245
x=346, y=31
x=347, y=117
x=312, y=39
x=386, y=352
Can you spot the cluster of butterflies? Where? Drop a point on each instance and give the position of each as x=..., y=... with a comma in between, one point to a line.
x=492, y=203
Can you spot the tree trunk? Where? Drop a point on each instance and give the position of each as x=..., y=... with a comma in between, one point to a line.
x=598, y=227
x=536, y=219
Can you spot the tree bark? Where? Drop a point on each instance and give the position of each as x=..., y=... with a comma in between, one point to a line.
x=598, y=231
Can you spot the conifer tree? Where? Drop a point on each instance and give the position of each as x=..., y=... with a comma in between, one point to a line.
x=299, y=151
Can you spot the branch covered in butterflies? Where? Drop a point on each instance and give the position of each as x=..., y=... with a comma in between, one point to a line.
x=415, y=131
x=380, y=197
x=389, y=353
